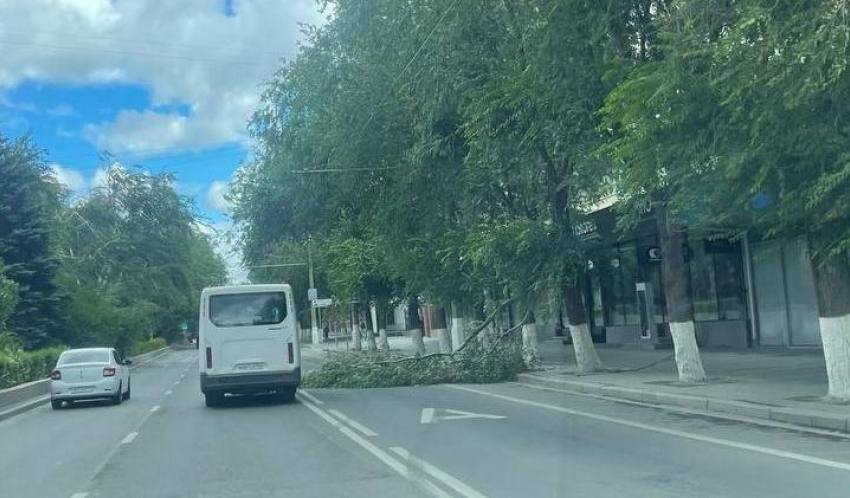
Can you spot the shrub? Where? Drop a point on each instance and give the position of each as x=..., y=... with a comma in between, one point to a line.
x=18, y=366
x=148, y=346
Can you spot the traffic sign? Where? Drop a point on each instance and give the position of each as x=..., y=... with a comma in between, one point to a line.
x=323, y=303
x=312, y=294
x=184, y=326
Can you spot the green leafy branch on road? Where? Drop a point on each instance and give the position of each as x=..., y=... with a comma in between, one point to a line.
x=476, y=364
x=476, y=361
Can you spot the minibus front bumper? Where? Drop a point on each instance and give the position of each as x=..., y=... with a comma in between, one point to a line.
x=249, y=382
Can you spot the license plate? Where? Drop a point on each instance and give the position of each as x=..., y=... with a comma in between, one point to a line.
x=250, y=366
x=82, y=390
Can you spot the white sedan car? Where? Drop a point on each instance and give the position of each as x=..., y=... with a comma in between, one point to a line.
x=91, y=373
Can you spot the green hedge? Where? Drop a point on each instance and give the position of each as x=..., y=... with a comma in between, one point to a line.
x=18, y=366
x=148, y=346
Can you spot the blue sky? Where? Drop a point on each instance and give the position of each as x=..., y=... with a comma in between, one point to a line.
x=165, y=85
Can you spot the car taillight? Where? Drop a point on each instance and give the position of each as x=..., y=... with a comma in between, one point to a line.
x=108, y=371
x=56, y=375
x=209, y=357
x=291, y=353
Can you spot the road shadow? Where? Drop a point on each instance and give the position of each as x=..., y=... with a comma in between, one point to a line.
x=253, y=401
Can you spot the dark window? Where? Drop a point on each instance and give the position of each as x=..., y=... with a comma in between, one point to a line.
x=72, y=357
x=622, y=276
x=240, y=310
x=716, y=285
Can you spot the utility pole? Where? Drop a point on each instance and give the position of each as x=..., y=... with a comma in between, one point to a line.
x=313, y=328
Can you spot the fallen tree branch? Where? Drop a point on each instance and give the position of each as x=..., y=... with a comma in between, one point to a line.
x=484, y=325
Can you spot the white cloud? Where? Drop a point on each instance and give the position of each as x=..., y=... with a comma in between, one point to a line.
x=61, y=111
x=215, y=197
x=99, y=178
x=186, y=52
x=71, y=179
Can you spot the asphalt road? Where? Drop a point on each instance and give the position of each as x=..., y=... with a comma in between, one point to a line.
x=495, y=440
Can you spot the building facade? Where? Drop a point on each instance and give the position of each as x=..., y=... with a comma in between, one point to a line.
x=759, y=294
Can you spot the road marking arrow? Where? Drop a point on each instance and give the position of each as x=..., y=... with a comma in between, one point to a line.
x=430, y=415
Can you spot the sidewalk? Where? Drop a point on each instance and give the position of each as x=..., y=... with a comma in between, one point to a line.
x=397, y=343
x=781, y=385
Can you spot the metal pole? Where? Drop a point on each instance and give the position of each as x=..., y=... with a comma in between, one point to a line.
x=313, y=328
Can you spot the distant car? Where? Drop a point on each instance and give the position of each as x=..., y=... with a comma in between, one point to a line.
x=91, y=373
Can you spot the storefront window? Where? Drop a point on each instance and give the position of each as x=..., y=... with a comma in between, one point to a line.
x=730, y=287
x=703, y=286
x=622, y=275
x=716, y=280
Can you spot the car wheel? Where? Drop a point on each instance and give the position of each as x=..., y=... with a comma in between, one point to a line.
x=127, y=394
x=116, y=400
x=213, y=400
x=56, y=404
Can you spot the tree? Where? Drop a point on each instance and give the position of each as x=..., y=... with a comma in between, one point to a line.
x=29, y=202
x=134, y=260
x=8, y=298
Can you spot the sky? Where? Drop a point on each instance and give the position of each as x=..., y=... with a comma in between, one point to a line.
x=167, y=85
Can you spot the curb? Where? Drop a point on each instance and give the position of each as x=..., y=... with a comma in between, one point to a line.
x=24, y=406
x=27, y=405
x=803, y=418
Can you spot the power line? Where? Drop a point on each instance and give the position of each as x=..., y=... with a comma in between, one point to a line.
x=406, y=66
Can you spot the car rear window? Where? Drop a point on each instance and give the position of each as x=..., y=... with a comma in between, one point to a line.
x=71, y=357
x=240, y=310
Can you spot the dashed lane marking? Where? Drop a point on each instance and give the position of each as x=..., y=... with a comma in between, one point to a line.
x=129, y=438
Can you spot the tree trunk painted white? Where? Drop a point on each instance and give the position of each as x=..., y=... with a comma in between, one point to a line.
x=456, y=326
x=686, y=352
x=418, y=343
x=680, y=307
x=586, y=358
x=832, y=284
x=458, y=336
x=530, y=353
x=370, y=340
x=835, y=335
x=383, y=342
x=445, y=340
x=356, y=343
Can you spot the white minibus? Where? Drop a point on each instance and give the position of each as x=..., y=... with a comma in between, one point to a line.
x=248, y=341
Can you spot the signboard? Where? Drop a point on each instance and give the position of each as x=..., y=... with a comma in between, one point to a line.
x=184, y=326
x=312, y=294
x=323, y=303
x=653, y=254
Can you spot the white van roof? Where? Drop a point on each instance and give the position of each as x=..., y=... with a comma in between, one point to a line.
x=246, y=289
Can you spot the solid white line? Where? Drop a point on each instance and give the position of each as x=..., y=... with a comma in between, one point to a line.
x=311, y=397
x=377, y=452
x=427, y=416
x=129, y=438
x=670, y=432
x=353, y=423
x=438, y=474
x=694, y=411
x=155, y=409
x=168, y=392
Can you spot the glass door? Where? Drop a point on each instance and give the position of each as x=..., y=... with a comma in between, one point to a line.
x=771, y=306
